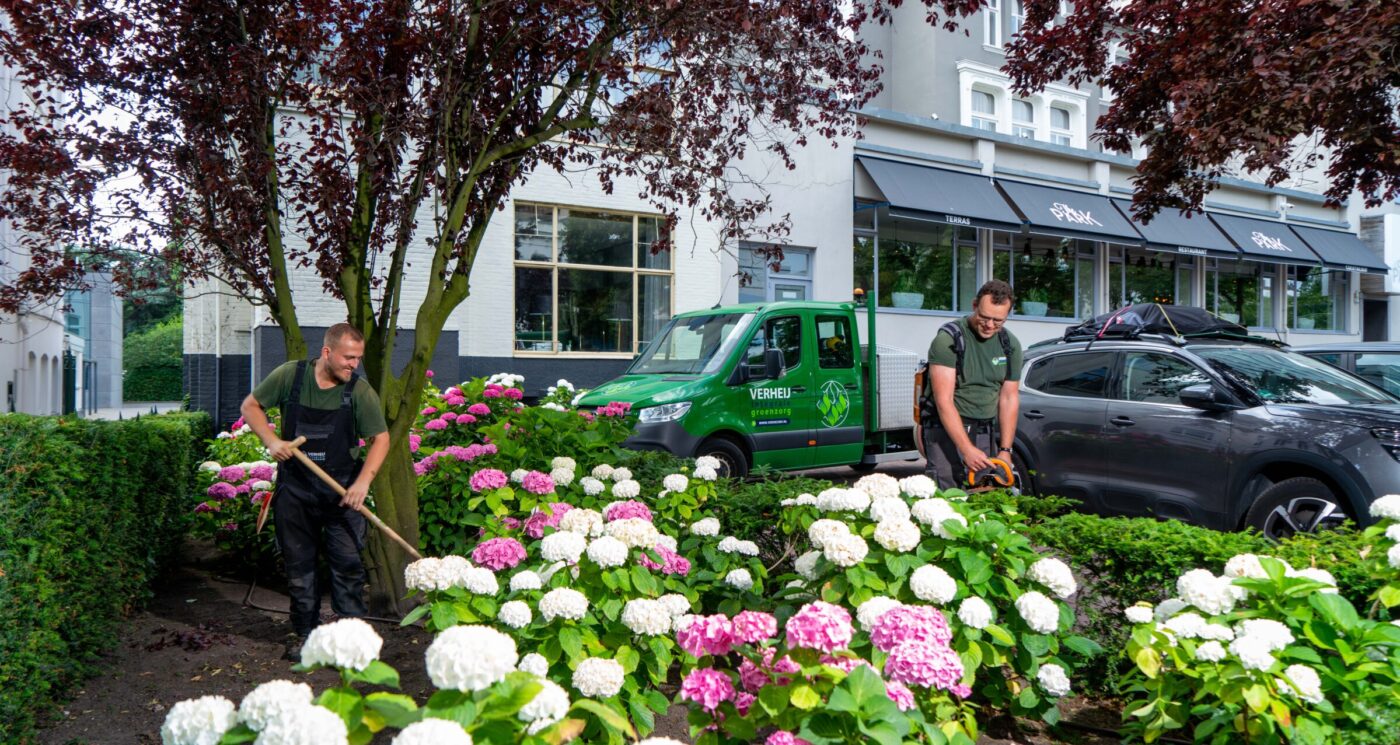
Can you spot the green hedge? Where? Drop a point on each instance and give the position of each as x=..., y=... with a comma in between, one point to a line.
x=89, y=512
x=154, y=363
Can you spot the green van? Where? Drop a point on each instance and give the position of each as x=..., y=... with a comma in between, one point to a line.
x=783, y=385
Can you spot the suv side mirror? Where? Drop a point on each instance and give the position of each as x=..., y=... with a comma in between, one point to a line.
x=773, y=366
x=1205, y=397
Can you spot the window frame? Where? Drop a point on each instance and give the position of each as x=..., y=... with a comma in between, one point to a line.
x=1023, y=127
x=1018, y=16
x=1114, y=360
x=980, y=118
x=554, y=266
x=817, y=340
x=991, y=25
x=1292, y=288
x=1121, y=376
x=789, y=364
x=1083, y=250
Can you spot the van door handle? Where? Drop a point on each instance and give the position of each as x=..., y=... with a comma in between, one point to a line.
x=852, y=386
x=1122, y=421
x=798, y=388
x=1033, y=414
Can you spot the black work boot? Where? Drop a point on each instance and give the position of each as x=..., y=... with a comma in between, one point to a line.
x=292, y=647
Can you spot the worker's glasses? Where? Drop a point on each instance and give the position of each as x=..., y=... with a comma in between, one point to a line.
x=988, y=320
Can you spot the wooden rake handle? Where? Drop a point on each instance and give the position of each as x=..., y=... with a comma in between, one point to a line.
x=363, y=510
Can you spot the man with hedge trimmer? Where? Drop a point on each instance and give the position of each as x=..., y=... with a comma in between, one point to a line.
x=324, y=401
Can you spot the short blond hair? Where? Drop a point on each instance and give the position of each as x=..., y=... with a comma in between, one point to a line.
x=339, y=332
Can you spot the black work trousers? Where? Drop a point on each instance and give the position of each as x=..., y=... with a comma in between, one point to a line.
x=944, y=463
x=305, y=524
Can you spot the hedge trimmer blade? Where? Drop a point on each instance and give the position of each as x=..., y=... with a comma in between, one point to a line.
x=998, y=474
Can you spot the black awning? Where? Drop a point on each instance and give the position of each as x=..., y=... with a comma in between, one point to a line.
x=941, y=195
x=1075, y=214
x=1340, y=249
x=1265, y=240
x=1173, y=231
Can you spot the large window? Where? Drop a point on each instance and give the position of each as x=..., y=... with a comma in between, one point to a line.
x=1023, y=119
x=766, y=278
x=1018, y=16
x=1061, y=131
x=587, y=280
x=991, y=24
x=1241, y=291
x=923, y=265
x=1052, y=277
x=1136, y=275
x=1317, y=299
x=984, y=111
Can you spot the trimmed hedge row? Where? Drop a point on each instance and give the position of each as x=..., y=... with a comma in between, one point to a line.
x=89, y=512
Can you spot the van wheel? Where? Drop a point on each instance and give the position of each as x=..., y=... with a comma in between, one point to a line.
x=1296, y=505
x=732, y=461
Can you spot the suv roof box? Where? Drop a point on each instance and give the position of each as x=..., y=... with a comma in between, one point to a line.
x=1173, y=321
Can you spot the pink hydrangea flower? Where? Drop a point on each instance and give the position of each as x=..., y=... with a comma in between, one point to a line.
x=586, y=414
x=452, y=391
x=846, y=664
x=707, y=687
x=541, y=519
x=237, y=424
x=435, y=425
x=429, y=410
x=421, y=467
x=232, y=473
x=258, y=497
x=479, y=409
x=671, y=562
x=753, y=627
x=454, y=399
x=900, y=695
x=491, y=393
x=414, y=442
x=205, y=507
x=242, y=488
x=925, y=664
x=784, y=738
x=229, y=527
x=262, y=473
x=909, y=623
x=754, y=677
x=626, y=509
x=820, y=625
x=466, y=419
x=538, y=483
x=489, y=478
x=222, y=490
x=510, y=523
x=514, y=394
x=707, y=635
x=743, y=702
x=961, y=690
x=499, y=553
x=428, y=374
x=615, y=408
x=448, y=416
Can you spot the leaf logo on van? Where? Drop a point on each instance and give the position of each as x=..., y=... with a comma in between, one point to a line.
x=834, y=404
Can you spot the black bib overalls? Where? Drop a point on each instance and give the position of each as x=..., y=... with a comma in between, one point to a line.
x=307, y=512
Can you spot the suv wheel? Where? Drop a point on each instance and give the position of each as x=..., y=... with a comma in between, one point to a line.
x=1297, y=505
x=732, y=461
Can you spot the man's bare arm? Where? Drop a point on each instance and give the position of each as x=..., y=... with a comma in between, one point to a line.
x=256, y=419
x=945, y=380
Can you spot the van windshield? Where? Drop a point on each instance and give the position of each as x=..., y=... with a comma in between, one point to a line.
x=1290, y=378
x=693, y=345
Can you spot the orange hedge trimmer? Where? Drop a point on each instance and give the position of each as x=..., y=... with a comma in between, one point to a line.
x=363, y=510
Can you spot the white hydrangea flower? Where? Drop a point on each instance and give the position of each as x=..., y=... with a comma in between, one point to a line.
x=1393, y=556
x=425, y=575
x=470, y=658
x=626, y=489
x=634, y=531
x=975, y=612
x=548, y=706
x=348, y=643
x=210, y=465
x=562, y=476
x=621, y=474
x=602, y=471
x=647, y=617
x=677, y=605
x=871, y=610
x=271, y=700
x=824, y=530
x=1185, y=625
x=563, y=602
x=668, y=541
x=1305, y=682
x=706, y=527
x=805, y=500
x=1039, y=612
x=563, y=545
x=535, y=664
x=199, y=721
x=1168, y=608
x=607, y=552
x=846, y=550
x=935, y=511
x=740, y=579
x=887, y=508
x=1054, y=574
x=806, y=565
x=929, y=582
x=707, y=461
x=732, y=545
x=1252, y=652
x=562, y=461
x=582, y=521
x=1210, y=651
x=1274, y=634
x=261, y=485
x=308, y=725
x=1210, y=593
x=1138, y=613
x=1386, y=508
x=1053, y=679
x=515, y=614
x=879, y=485
x=896, y=535
x=918, y=486
x=518, y=475
x=705, y=474
x=433, y=732
x=675, y=482
x=1216, y=632
x=525, y=580
x=837, y=499
x=598, y=677
x=479, y=581
x=1318, y=575
x=591, y=486
x=1245, y=565
x=1393, y=532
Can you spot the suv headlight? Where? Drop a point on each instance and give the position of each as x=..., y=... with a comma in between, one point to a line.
x=663, y=413
x=1390, y=440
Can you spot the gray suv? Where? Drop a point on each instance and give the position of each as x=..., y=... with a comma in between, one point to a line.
x=1219, y=432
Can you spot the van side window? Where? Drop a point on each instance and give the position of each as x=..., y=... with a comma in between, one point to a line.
x=834, y=343
x=1082, y=375
x=783, y=333
x=1040, y=372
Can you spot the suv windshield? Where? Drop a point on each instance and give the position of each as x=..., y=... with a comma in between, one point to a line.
x=1289, y=378
x=693, y=345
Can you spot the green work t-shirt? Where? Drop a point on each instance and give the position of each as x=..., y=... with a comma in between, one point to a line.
x=985, y=368
x=277, y=386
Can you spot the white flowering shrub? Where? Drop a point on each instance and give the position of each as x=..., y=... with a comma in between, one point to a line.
x=885, y=543
x=1260, y=653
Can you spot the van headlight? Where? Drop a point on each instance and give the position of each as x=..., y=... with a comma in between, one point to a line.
x=663, y=413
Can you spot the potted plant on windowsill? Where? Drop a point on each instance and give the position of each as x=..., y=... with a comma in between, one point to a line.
x=906, y=292
x=1036, y=302
x=1306, y=323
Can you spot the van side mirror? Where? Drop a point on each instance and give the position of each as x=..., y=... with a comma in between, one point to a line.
x=773, y=366
x=1205, y=397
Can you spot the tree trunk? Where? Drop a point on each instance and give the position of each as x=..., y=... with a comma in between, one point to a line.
x=396, y=503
